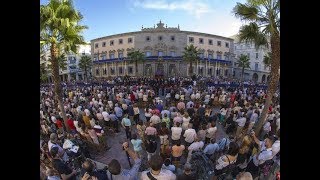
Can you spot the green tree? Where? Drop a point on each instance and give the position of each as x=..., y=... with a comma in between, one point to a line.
x=60, y=30
x=267, y=59
x=85, y=64
x=43, y=73
x=136, y=56
x=263, y=17
x=190, y=55
x=243, y=62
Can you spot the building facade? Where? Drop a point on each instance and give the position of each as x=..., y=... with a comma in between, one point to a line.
x=163, y=48
x=258, y=72
x=72, y=70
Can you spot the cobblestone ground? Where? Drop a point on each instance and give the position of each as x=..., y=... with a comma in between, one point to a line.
x=116, y=152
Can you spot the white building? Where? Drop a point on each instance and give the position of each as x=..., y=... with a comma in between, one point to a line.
x=72, y=70
x=258, y=71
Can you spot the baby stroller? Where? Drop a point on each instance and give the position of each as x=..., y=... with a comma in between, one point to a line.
x=74, y=153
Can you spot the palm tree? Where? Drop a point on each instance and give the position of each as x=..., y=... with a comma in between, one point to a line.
x=85, y=63
x=267, y=59
x=43, y=73
x=190, y=54
x=264, y=24
x=136, y=56
x=243, y=62
x=60, y=30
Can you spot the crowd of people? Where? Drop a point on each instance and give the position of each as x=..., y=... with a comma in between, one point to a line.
x=166, y=121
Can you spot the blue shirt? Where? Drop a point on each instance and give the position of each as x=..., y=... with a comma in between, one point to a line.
x=165, y=112
x=118, y=111
x=211, y=148
x=136, y=144
x=126, y=122
x=127, y=174
x=159, y=107
x=113, y=117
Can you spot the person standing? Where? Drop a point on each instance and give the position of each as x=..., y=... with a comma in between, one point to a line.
x=176, y=133
x=177, y=151
x=211, y=148
x=187, y=173
x=241, y=122
x=136, y=113
x=126, y=124
x=156, y=171
x=151, y=147
x=211, y=132
x=137, y=145
x=64, y=170
x=190, y=135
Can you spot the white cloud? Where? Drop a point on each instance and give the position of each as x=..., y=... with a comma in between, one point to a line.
x=217, y=23
x=193, y=7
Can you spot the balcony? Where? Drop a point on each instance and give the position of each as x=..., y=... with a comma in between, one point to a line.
x=164, y=58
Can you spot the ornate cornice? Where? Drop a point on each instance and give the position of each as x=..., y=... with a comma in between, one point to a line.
x=148, y=48
x=160, y=46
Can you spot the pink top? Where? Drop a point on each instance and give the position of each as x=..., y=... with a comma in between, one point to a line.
x=151, y=131
x=92, y=134
x=177, y=119
x=181, y=105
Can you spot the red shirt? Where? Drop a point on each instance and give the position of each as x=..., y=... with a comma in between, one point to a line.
x=59, y=124
x=70, y=124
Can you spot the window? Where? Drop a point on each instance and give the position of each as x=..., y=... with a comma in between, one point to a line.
x=148, y=53
x=129, y=40
x=112, y=70
x=111, y=43
x=210, y=42
x=218, y=56
x=97, y=72
x=120, y=55
x=103, y=44
x=226, y=72
x=96, y=45
x=120, y=41
x=104, y=57
x=227, y=45
x=111, y=55
x=210, y=56
x=201, y=55
x=120, y=70
x=219, y=43
x=172, y=53
x=148, y=38
x=130, y=70
x=160, y=53
x=160, y=38
x=248, y=54
x=172, y=38
x=200, y=40
x=257, y=55
x=95, y=58
x=191, y=39
x=104, y=71
x=256, y=66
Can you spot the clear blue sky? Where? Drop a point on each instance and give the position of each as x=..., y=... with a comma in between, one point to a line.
x=107, y=17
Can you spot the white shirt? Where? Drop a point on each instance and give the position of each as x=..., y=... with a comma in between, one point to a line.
x=176, y=133
x=211, y=132
x=263, y=156
x=196, y=146
x=193, y=96
x=177, y=96
x=254, y=118
x=190, y=135
x=223, y=111
x=140, y=95
x=145, y=97
x=163, y=175
x=275, y=147
x=267, y=126
x=105, y=116
x=155, y=119
x=198, y=96
x=241, y=121
x=53, y=119
x=278, y=123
